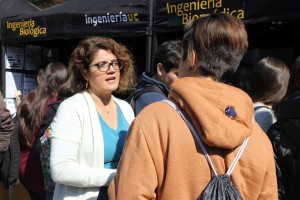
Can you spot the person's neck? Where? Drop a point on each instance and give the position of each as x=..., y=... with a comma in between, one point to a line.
x=156, y=77
x=101, y=100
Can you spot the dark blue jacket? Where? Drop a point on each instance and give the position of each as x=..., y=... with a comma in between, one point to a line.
x=150, y=97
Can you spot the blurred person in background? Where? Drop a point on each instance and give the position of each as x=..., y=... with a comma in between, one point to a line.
x=269, y=84
x=155, y=86
x=29, y=115
x=285, y=137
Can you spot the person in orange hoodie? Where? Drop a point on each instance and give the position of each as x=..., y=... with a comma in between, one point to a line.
x=162, y=160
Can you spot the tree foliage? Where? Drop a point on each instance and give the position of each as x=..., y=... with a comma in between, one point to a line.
x=46, y=3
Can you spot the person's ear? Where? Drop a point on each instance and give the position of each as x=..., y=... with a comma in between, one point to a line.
x=192, y=60
x=84, y=74
x=160, y=69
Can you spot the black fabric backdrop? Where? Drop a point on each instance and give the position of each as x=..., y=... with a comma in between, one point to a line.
x=130, y=18
x=10, y=8
x=255, y=11
x=79, y=18
x=152, y=19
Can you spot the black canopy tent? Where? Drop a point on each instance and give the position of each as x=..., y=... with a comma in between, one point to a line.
x=11, y=8
x=170, y=15
x=271, y=24
x=76, y=19
x=134, y=18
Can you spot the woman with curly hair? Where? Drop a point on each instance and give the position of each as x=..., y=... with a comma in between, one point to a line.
x=89, y=129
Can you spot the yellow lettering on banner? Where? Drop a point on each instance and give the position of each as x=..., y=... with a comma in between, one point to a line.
x=186, y=7
x=179, y=9
x=240, y=14
x=33, y=31
x=32, y=23
x=136, y=17
x=130, y=17
x=26, y=28
x=185, y=10
x=192, y=6
x=203, y=5
x=187, y=17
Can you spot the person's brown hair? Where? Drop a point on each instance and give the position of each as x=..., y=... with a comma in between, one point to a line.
x=269, y=81
x=82, y=57
x=219, y=42
x=33, y=106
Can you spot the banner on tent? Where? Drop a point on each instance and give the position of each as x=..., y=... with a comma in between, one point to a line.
x=180, y=12
x=77, y=18
x=25, y=28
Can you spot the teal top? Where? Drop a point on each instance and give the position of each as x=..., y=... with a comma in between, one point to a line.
x=113, y=145
x=113, y=140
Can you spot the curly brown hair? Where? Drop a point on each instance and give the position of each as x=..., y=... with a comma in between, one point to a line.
x=83, y=54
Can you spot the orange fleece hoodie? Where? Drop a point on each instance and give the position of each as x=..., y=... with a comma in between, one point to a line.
x=162, y=160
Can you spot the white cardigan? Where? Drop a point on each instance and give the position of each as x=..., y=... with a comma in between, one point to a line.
x=77, y=151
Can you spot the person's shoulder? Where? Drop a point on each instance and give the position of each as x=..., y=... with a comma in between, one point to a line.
x=75, y=102
x=260, y=138
x=158, y=110
x=75, y=99
x=152, y=96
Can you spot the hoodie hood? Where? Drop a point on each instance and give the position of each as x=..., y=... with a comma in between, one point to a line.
x=204, y=101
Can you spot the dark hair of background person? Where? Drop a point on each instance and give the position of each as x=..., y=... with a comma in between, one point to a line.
x=210, y=47
x=242, y=77
x=82, y=57
x=32, y=107
x=269, y=81
x=294, y=83
x=168, y=54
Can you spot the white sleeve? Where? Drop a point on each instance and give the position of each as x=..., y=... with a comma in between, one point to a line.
x=67, y=167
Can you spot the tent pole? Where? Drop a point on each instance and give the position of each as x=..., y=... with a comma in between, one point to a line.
x=149, y=45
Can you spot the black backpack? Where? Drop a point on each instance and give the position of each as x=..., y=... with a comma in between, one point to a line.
x=10, y=162
x=138, y=92
x=220, y=187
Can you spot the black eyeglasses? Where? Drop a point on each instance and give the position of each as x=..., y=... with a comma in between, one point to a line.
x=104, y=66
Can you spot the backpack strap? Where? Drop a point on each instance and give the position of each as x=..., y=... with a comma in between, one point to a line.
x=177, y=109
x=237, y=157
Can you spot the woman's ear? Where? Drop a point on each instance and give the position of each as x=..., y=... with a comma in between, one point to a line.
x=84, y=74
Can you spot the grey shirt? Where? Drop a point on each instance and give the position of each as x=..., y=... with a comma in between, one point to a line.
x=264, y=116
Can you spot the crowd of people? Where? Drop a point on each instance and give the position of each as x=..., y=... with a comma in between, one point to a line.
x=236, y=121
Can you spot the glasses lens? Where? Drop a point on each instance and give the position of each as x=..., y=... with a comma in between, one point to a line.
x=103, y=67
x=120, y=64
